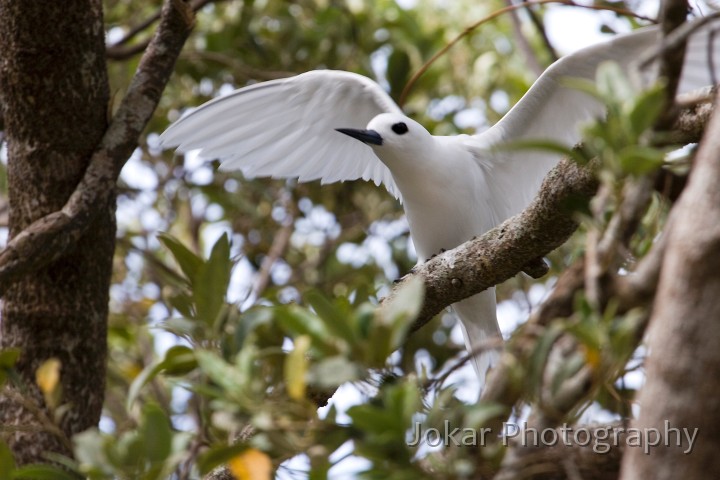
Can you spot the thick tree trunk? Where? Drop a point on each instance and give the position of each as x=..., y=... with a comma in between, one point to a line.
x=54, y=91
x=684, y=364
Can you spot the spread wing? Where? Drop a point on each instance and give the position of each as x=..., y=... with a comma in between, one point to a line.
x=552, y=111
x=286, y=128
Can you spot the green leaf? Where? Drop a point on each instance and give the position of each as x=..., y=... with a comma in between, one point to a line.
x=588, y=332
x=481, y=413
x=334, y=371
x=336, y=321
x=386, y=422
x=612, y=83
x=299, y=321
x=398, y=68
x=70, y=464
x=547, y=146
x=156, y=433
x=90, y=451
x=183, y=304
x=569, y=368
x=646, y=108
x=217, y=456
x=639, y=160
x=182, y=327
x=584, y=85
x=8, y=357
x=541, y=351
x=212, y=281
x=178, y=360
x=224, y=374
x=250, y=320
x=7, y=461
x=43, y=472
x=364, y=319
x=148, y=373
x=188, y=261
x=394, y=318
x=128, y=450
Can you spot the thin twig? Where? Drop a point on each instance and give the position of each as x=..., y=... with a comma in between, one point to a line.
x=277, y=248
x=120, y=50
x=468, y=30
x=522, y=41
x=535, y=19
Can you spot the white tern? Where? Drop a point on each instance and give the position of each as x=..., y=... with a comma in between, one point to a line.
x=336, y=126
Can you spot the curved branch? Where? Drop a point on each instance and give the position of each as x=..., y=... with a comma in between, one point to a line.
x=672, y=15
x=137, y=29
x=48, y=238
x=516, y=244
x=523, y=43
x=505, y=250
x=589, y=452
x=120, y=50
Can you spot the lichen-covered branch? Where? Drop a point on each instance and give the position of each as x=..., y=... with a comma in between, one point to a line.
x=521, y=240
x=505, y=250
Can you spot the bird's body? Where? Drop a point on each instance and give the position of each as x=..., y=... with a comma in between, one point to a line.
x=452, y=188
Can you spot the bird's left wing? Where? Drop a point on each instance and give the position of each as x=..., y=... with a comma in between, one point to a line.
x=286, y=129
x=553, y=111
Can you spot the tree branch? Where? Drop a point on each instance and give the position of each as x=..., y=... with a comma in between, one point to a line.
x=672, y=15
x=120, y=50
x=535, y=19
x=520, y=241
x=48, y=238
x=523, y=43
x=505, y=250
x=567, y=457
x=543, y=224
x=684, y=360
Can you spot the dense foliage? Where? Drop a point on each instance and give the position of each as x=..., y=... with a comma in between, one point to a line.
x=237, y=303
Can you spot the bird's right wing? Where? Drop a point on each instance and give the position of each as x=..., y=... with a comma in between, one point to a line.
x=551, y=110
x=286, y=128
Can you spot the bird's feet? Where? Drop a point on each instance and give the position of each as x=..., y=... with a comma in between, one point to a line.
x=536, y=268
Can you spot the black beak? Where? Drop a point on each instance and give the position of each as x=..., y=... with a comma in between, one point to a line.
x=370, y=137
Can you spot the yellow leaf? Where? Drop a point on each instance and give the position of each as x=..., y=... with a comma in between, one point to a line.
x=47, y=375
x=593, y=357
x=130, y=370
x=251, y=464
x=296, y=367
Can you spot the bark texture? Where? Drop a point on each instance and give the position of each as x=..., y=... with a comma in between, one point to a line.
x=684, y=361
x=55, y=94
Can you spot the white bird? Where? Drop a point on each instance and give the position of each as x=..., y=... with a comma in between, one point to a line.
x=452, y=187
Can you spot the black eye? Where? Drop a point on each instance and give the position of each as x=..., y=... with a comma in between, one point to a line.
x=400, y=128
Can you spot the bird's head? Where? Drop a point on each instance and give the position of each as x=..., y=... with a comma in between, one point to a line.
x=392, y=136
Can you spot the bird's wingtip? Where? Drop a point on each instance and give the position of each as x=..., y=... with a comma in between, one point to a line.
x=166, y=142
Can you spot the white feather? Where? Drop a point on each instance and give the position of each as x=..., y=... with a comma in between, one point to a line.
x=286, y=128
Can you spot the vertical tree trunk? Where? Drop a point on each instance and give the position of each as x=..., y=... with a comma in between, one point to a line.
x=684, y=362
x=54, y=92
